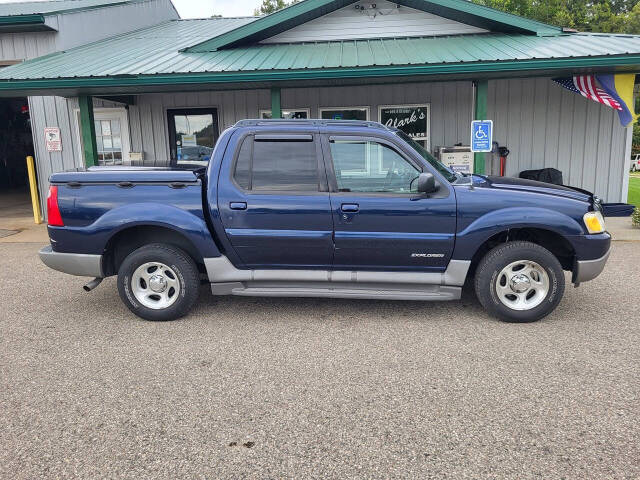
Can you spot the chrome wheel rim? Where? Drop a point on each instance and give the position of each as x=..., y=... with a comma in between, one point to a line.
x=522, y=285
x=155, y=285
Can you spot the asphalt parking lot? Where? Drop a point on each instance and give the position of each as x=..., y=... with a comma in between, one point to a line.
x=316, y=388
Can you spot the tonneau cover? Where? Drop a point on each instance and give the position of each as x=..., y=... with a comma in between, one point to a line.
x=125, y=174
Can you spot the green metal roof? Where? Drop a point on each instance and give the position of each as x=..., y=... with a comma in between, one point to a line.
x=52, y=7
x=153, y=57
x=302, y=12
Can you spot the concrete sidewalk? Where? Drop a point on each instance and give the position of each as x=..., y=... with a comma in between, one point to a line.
x=16, y=215
x=621, y=229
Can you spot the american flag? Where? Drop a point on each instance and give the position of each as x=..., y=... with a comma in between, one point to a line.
x=586, y=86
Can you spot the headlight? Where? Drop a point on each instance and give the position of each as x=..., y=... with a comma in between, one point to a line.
x=594, y=222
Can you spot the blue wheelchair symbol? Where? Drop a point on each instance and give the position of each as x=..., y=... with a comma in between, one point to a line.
x=481, y=135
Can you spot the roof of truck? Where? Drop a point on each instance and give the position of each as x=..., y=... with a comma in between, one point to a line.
x=312, y=122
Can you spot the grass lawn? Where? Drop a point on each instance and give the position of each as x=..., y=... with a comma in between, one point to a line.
x=634, y=190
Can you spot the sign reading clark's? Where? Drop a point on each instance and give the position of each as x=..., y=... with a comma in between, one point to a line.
x=411, y=119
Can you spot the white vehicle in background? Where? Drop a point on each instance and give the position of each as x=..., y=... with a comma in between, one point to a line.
x=634, y=165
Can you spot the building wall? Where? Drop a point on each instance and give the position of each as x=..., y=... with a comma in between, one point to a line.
x=545, y=125
x=74, y=29
x=148, y=117
x=85, y=26
x=542, y=124
x=23, y=46
x=450, y=109
x=349, y=23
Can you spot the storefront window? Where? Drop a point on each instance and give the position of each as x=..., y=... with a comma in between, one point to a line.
x=192, y=134
x=293, y=113
x=348, y=113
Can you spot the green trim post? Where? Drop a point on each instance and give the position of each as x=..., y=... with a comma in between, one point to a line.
x=88, y=131
x=480, y=113
x=276, y=108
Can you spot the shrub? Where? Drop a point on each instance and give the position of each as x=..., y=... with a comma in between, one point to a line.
x=635, y=218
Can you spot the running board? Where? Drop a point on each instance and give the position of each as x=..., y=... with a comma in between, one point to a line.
x=221, y=270
x=342, y=290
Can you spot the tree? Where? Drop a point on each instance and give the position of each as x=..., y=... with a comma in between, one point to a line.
x=270, y=6
x=606, y=16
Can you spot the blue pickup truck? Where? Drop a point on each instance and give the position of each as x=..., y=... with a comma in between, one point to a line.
x=315, y=208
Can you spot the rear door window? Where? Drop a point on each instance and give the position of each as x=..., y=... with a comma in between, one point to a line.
x=278, y=165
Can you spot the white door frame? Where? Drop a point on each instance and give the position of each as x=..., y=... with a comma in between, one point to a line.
x=100, y=113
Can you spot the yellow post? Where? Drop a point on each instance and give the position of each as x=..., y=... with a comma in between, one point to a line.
x=35, y=201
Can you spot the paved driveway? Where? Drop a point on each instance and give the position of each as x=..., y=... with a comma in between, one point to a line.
x=315, y=388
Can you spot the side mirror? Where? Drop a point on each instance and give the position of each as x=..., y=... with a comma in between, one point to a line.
x=427, y=183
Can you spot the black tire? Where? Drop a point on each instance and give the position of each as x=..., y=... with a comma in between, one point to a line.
x=495, y=260
x=186, y=274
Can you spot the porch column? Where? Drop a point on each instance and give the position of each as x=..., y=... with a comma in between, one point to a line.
x=480, y=113
x=276, y=108
x=88, y=131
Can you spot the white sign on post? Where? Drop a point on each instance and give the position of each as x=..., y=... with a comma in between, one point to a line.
x=52, y=139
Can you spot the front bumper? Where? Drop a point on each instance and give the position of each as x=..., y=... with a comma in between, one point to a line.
x=586, y=270
x=80, y=264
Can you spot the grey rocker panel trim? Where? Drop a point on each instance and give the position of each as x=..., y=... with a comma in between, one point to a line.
x=220, y=270
x=80, y=264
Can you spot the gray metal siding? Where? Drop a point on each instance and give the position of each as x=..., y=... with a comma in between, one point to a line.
x=148, y=118
x=75, y=28
x=23, y=46
x=450, y=102
x=450, y=109
x=545, y=125
x=395, y=21
x=86, y=26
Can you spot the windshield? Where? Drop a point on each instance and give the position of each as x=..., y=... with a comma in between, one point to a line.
x=445, y=171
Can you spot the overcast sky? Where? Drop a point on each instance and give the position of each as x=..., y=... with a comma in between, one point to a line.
x=206, y=8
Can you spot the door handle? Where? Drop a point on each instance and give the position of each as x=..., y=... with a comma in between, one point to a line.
x=238, y=205
x=350, y=207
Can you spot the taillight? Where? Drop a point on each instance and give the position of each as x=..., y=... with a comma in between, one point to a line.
x=53, y=212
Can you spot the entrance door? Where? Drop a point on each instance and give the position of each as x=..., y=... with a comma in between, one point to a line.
x=381, y=222
x=193, y=133
x=274, y=203
x=112, y=135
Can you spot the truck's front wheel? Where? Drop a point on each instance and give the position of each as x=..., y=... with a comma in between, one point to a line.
x=158, y=282
x=519, y=282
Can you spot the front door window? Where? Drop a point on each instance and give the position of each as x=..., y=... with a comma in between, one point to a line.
x=192, y=134
x=367, y=166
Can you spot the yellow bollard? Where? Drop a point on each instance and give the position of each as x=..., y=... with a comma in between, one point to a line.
x=35, y=201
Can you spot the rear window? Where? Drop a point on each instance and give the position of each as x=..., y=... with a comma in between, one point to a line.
x=277, y=165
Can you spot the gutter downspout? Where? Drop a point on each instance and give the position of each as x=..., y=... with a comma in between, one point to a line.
x=480, y=88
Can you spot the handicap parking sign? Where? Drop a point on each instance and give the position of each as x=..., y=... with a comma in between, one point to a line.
x=481, y=135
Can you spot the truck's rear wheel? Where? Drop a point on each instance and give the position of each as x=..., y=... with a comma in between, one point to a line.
x=158, y=282
x=519, y=282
